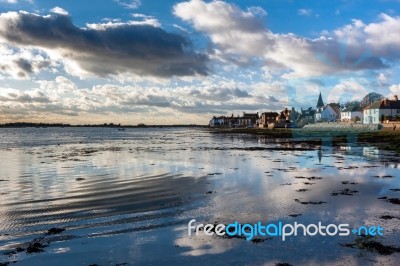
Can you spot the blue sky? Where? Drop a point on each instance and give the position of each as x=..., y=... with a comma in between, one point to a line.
x=177, y=62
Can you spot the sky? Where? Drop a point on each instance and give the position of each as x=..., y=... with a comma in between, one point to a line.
x=181, y=62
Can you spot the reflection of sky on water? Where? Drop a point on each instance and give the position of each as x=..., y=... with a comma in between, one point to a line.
x=141, y=187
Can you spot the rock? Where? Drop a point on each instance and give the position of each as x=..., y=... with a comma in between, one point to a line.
x=369, y=244
x=35, y=247
x=55, y=231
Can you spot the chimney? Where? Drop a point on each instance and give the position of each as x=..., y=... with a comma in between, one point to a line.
x=385, y=102
x=396, y=98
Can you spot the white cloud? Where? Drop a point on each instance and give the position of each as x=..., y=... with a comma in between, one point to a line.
x=20, y=63
x=304, y=12
x=234, y=30
x=384, y=36
x=240, y=36
x=352, y=33
x=143, y=16
x=17, y=96
x=15, y=1
x=129, y=4
x=114, y=25
x=59, y=10
x=256, y=10
x=55, y=88
x=181, y=28
x=192, y=103
x=382, y=79
x=394, y=90
x=381, y=37
x=345, y=91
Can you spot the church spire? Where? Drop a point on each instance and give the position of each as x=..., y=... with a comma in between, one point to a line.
x=320, y=103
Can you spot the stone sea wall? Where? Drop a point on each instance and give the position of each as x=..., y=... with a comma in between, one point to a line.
x=343, y=126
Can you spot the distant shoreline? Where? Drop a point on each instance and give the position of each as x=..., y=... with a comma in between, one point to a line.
x=105, y=125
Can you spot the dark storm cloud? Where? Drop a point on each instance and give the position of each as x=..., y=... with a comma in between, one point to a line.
x=108, y=48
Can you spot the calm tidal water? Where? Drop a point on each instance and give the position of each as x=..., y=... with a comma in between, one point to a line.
x=127, y=197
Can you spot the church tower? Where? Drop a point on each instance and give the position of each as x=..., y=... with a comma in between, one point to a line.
x=320, y=103
x=320, y=109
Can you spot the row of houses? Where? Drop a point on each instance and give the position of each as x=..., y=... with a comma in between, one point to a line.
x=247, y=120
x=382, y=111
x=378, y=112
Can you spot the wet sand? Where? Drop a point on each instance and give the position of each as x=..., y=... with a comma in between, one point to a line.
x=85, y=196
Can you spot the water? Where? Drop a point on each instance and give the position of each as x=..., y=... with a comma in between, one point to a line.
x=127, y=197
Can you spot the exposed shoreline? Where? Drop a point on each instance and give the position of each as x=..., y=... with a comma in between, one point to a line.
x=388, y=140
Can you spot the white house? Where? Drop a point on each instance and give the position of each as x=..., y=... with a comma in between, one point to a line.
x=382, y=110
x=325, y=114
x=351, y=113
x=217, y=121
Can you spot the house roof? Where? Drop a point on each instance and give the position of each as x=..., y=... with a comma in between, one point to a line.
x=321, y=110
x=352, y=109
x=384, y=104
x=249, y=115
x=286, y=112
x=375, y=105
x=274, y=114
x=282, y=116
x=335, y=107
